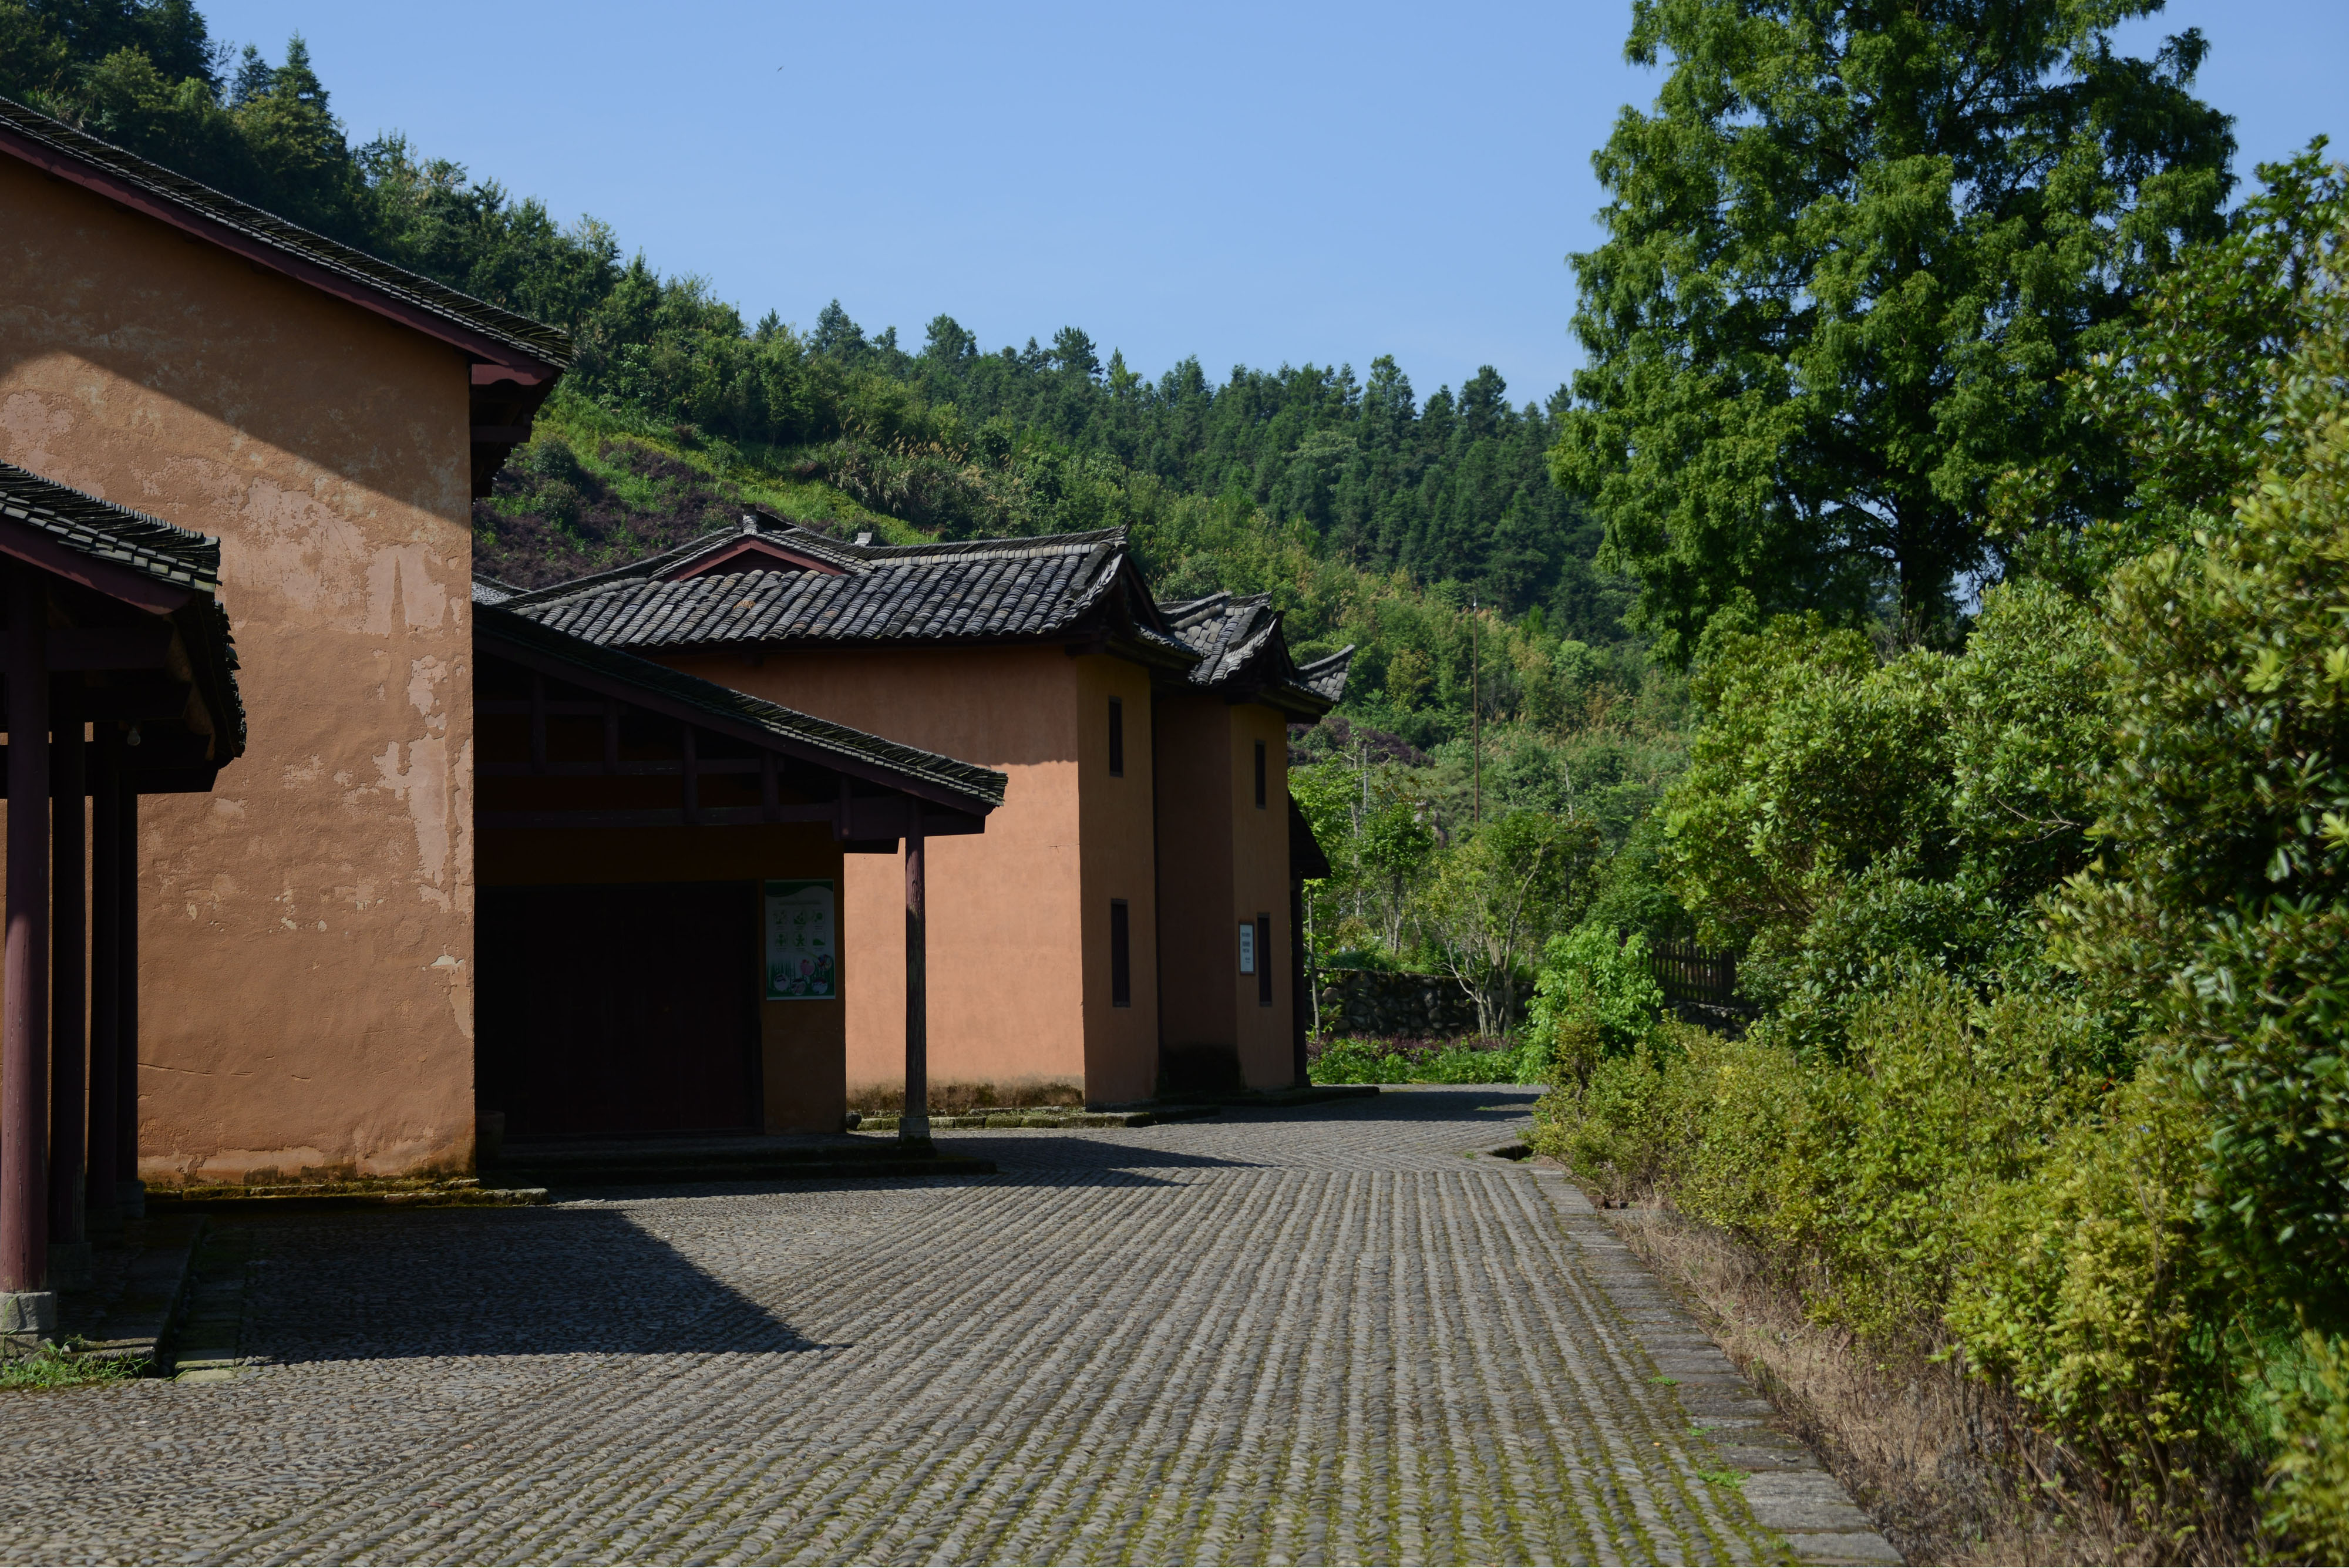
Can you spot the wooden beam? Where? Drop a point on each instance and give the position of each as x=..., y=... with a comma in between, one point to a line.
x=913, y=1124
x=24, y=970
x=129, y=1194
x=68, y=993
x=654, y=768
x=102, y=1204
x=111, y=647
x=135, y=700
x=651, y=816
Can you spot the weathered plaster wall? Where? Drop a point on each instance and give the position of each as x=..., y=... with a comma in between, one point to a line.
x=1006, y=963
x=1114, y=818
x=305, y=930
x=803, y=1060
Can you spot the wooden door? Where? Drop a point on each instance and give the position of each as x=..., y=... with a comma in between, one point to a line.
x=627, y=1009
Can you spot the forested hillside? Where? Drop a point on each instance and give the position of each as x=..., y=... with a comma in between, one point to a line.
x=1450, y=489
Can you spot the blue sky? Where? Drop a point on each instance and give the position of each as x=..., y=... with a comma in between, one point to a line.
x=1254, y=183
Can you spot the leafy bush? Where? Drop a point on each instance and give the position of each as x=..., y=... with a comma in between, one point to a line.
x=2309, y=1507
x=2224, y=911
x=2088, y=1292
x=1359, y=1061
x=1588, y=972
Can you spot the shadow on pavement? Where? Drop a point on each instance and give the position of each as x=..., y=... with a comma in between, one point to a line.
x=489, y=1281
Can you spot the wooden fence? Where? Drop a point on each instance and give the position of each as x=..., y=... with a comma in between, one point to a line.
x=1700, y=984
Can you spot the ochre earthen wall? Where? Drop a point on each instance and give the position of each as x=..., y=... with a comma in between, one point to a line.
x=802, y=1044
x=1224, y=860
x=1114, y=824
x=1007, y=935
x=1197, y=940
x=306, y=929
x=1260, y=886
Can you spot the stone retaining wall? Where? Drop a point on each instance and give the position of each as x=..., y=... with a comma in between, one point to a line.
x=1377, y=1004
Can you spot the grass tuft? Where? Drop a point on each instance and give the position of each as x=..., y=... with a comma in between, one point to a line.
x=67, y=1366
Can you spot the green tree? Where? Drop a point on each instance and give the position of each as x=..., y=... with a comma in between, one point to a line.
x=1849, y=256
x=2222, y=903
x=1495, y=899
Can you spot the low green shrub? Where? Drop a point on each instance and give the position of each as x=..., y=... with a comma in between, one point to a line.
x=1358, y=1061
x=2308, y=1504
x=1594, y=997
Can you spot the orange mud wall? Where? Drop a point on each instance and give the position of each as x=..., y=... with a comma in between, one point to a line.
x=305, y=930
x=801, y=1045
x=1018, y=916
x=1222, y=860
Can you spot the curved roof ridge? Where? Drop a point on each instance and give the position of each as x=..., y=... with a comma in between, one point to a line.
x=549, y=345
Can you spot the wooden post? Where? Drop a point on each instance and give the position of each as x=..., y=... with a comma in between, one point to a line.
x=102, y=1204
x=23, y=1017
x=130, y=1196
x=69, y=996
x=913, y=1125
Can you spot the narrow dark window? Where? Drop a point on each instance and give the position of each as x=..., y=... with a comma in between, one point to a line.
x=1263, y=947
x=1116, y=738
x=1120, y=956
x=1259, y=775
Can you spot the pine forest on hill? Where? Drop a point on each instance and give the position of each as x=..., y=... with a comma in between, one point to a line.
x=1930, y=591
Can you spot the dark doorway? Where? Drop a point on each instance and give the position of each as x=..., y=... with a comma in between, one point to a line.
x=618, y=1009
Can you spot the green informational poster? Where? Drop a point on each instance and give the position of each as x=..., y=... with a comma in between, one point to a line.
x=802, y=950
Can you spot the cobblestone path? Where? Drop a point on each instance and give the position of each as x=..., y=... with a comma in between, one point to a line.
x=1326, y=1335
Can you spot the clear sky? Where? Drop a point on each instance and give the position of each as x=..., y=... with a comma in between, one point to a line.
x=1246, y=182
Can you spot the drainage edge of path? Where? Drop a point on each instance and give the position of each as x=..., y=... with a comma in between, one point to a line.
x=1789, y=1493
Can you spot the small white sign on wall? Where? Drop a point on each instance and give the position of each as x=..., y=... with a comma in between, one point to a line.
x=802, y=950
x=1247, y=947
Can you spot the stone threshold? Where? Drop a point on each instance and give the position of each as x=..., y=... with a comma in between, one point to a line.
x=1143, y=1114
x=460, y=1192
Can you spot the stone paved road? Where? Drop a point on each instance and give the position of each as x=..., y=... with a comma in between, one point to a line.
x=1325, y=1334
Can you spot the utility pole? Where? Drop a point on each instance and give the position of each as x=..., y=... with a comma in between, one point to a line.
x=1476, y=723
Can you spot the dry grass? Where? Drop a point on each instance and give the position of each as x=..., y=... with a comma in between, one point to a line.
x=1940, y=1461
x=954, y=1100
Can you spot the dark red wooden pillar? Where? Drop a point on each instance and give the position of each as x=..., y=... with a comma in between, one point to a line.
x=68, y=1000
x=129, y=1194
x=101, y=1205
x=914, y=1124
x=24, y=969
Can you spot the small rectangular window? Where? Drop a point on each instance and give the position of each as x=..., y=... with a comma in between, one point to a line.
x=1259, y=775
x=1116, y=738
x=1121, y=955
x=1264, y=961
x=1247, y=947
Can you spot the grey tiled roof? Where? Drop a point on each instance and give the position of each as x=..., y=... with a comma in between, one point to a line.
x=971, y=591
x=1241, y=646
x=1326, y=677
x=161, y=550
x=153, y=548
x=549, y=345
x=804, y=731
